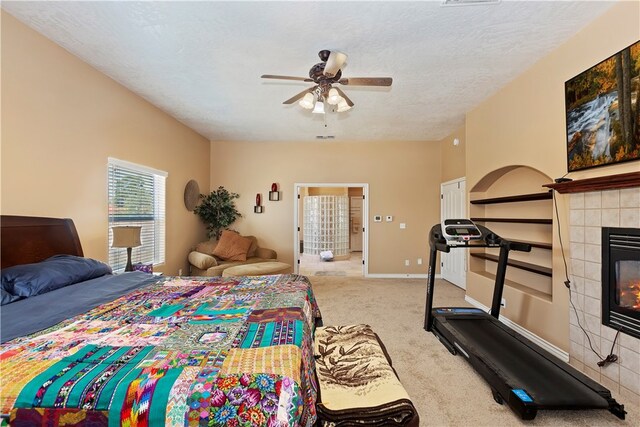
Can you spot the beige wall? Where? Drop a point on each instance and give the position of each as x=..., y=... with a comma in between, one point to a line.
x=524, y=124
x=62, y=119
x=403, y=178
x=453, y=157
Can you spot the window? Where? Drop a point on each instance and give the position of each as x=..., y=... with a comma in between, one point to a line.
x=137, y=197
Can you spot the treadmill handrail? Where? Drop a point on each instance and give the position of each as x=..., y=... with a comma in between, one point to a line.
x=489, y=239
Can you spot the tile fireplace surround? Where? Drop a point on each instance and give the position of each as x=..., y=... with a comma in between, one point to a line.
x=588, y=212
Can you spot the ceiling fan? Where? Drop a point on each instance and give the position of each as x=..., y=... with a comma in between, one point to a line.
x=325, y=74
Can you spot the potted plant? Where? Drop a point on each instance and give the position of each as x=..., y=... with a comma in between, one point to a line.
x=218, y=211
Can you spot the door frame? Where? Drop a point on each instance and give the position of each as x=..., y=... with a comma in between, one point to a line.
x=365, y=220
x=351, y=198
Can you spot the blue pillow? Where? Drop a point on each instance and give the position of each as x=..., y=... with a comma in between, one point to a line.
x=28, y=280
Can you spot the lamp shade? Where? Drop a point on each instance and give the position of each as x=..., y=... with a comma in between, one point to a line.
x=126, y=237
x=319, y=108
x=334, y=97
x=307, y=101
x=343, y=106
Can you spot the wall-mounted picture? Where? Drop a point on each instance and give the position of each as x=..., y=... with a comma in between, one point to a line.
x=603, y=112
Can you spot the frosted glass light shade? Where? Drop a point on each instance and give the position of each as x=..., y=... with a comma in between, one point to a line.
x=307, y=101
x=334, y=97
x=343, y=106
x=319, y=108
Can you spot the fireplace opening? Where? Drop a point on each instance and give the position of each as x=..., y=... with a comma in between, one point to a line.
x=628, y=285
x=621, y=279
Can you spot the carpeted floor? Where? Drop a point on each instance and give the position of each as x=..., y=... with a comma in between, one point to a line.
x=330, y=273
x=444, y=388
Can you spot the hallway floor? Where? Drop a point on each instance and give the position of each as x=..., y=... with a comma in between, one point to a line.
x=312, y=265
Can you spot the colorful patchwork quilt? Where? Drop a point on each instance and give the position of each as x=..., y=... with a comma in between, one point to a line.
x=232, y=351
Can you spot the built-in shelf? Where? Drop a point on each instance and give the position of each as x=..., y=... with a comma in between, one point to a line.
x=533, y=268
x=522, y=214
x=515, y=220
x=611, y=182
x=541, y=245
x=515, y=285
x=511, y=199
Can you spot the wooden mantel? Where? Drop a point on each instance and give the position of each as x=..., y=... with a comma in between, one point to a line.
x=611, y=182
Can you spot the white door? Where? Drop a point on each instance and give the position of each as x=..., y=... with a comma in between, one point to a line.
x=453, y=266
x=355, y=224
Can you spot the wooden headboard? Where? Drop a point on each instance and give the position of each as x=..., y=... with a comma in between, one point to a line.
x=28, y=239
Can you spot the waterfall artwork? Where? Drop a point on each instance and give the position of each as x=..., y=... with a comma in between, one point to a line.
x=603, y=112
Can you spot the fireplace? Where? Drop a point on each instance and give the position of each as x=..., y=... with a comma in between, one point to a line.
x=621, y=279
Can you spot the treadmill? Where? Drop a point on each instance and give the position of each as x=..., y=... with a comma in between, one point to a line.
x=519, y=372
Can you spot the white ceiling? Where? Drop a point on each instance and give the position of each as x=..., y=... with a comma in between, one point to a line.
x=201, y=61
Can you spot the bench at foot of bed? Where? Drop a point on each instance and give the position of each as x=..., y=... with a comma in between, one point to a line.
x=358, y=385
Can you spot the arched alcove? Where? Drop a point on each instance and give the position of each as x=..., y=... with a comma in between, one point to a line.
x=519, y=172
x=511, y=202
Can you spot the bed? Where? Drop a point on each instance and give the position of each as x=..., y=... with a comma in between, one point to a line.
x=136, y=349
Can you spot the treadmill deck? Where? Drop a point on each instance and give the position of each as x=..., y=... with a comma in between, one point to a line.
x=522, y=366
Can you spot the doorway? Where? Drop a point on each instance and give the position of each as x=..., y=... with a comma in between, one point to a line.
x=330, y=229
x=453, y=205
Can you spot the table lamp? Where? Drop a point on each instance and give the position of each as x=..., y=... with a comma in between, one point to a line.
x=126, y=237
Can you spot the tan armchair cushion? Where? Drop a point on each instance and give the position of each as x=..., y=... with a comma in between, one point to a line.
x=206, y=247
x=265, y=253
x=254, y=246
x=201, y=260
x=232, y=246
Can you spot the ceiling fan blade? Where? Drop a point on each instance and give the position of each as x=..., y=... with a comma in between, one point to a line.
x=300, y=95
x=271, y=76
x=346, y=98
x=366, y=81
x=334, y=63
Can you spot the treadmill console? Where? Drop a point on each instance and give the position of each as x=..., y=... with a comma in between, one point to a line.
x=460, y=230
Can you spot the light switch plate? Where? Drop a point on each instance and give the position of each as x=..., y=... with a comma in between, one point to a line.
x=377, y=218
x=403, y=225
x=389, y=218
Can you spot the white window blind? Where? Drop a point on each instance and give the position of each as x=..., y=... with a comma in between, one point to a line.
x=137, y=197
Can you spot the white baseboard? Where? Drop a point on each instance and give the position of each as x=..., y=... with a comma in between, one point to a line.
x=398, y=276
x=556, y=351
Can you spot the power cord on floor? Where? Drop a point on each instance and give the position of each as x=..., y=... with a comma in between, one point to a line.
x=610, y=358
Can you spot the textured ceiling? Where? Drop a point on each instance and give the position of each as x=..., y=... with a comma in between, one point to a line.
x=201, y=61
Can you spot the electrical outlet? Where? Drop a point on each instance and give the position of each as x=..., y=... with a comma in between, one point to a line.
x=503, y=303
x=180, y=272
x=406, y=263
x=419, y=261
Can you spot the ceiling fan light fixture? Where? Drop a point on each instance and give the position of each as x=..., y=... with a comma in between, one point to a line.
x=319, y=108
x=325, y=75
x=335, y=62
x=343, y=106
x=307, y=101
x=334, y=97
